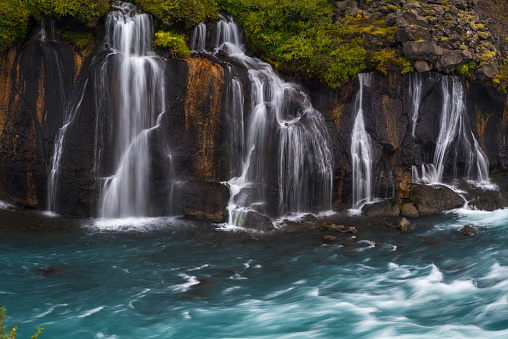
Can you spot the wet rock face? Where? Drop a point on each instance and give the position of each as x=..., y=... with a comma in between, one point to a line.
x=35, y=81
x=201, y=200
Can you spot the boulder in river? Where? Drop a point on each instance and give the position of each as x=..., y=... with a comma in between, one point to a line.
x=435, y=199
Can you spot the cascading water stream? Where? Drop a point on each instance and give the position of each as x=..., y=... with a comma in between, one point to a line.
x=456, y=141
x=199, y=38
x=361, y=151
x=415, y=93
x=281, y=120
x=140, y=101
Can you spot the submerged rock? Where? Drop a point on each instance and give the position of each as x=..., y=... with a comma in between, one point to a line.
x=329, y=238
x=435, y=199
x=406, y=226
x=468, y=230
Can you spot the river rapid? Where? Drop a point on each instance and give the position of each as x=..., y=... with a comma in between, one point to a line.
x=172, y=278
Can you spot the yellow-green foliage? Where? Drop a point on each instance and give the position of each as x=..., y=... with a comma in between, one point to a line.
x=87, y=11
x=12, y=333
x=299, y=37
x=80, y=40
x=14, y=16
x=186, y=13
x=465, y=69
x=175, y=43
x=384, y=61
x=371, y=27
x=501, y=79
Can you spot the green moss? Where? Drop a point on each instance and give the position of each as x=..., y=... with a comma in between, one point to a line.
x=463, y=47
x=175, y=43
x=485, y=57
x=384, y=61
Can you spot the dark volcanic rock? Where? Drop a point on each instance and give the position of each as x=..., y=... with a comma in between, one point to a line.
x=487, y=200
x=435, y=199
x=422, y=50
x=201, y=200
x=255, y=221
x=384, y=208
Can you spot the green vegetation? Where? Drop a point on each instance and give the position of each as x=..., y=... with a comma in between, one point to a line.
x=86, y=11
x=14, y=16
x=12, y=334
x=299, y=37
x=179, y=13
x=501, y=80
x=384, y=61
x=80, y=40
x=17, y=15
x=175, y=43
x=465, y=69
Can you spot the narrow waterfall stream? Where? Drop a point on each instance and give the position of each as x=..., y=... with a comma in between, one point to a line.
x=415, y=92
x=281, y=121
x=51, y=57
x=456, y=143
x=361, y=151
x=140, y=102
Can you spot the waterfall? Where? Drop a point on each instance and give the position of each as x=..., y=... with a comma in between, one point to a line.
x=456, y=141
x=415, y=93
x=235, y=125
x=361, y=151
x=199, y=38
x=50, y=57
x=281, y=119
x=139, y=103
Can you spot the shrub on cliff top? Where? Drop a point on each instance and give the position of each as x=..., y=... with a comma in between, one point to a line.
x=175, y=43
x=14, y=16
x=87, y=11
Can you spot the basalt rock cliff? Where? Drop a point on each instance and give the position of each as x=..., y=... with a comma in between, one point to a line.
x=43, y=78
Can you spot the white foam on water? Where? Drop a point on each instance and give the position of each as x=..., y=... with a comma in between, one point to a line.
x=433, y=283
x=102, y=335
x=198, y=268
x=477, y=218
x=191, y=281
x=50, y=214
x=50, y=310
x=90, y=312
x=4, y=205
x=278, y=293
x=131, y=224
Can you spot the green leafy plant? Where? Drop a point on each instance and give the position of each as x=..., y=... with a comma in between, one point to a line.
x=12, y=334
x=175, y=43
